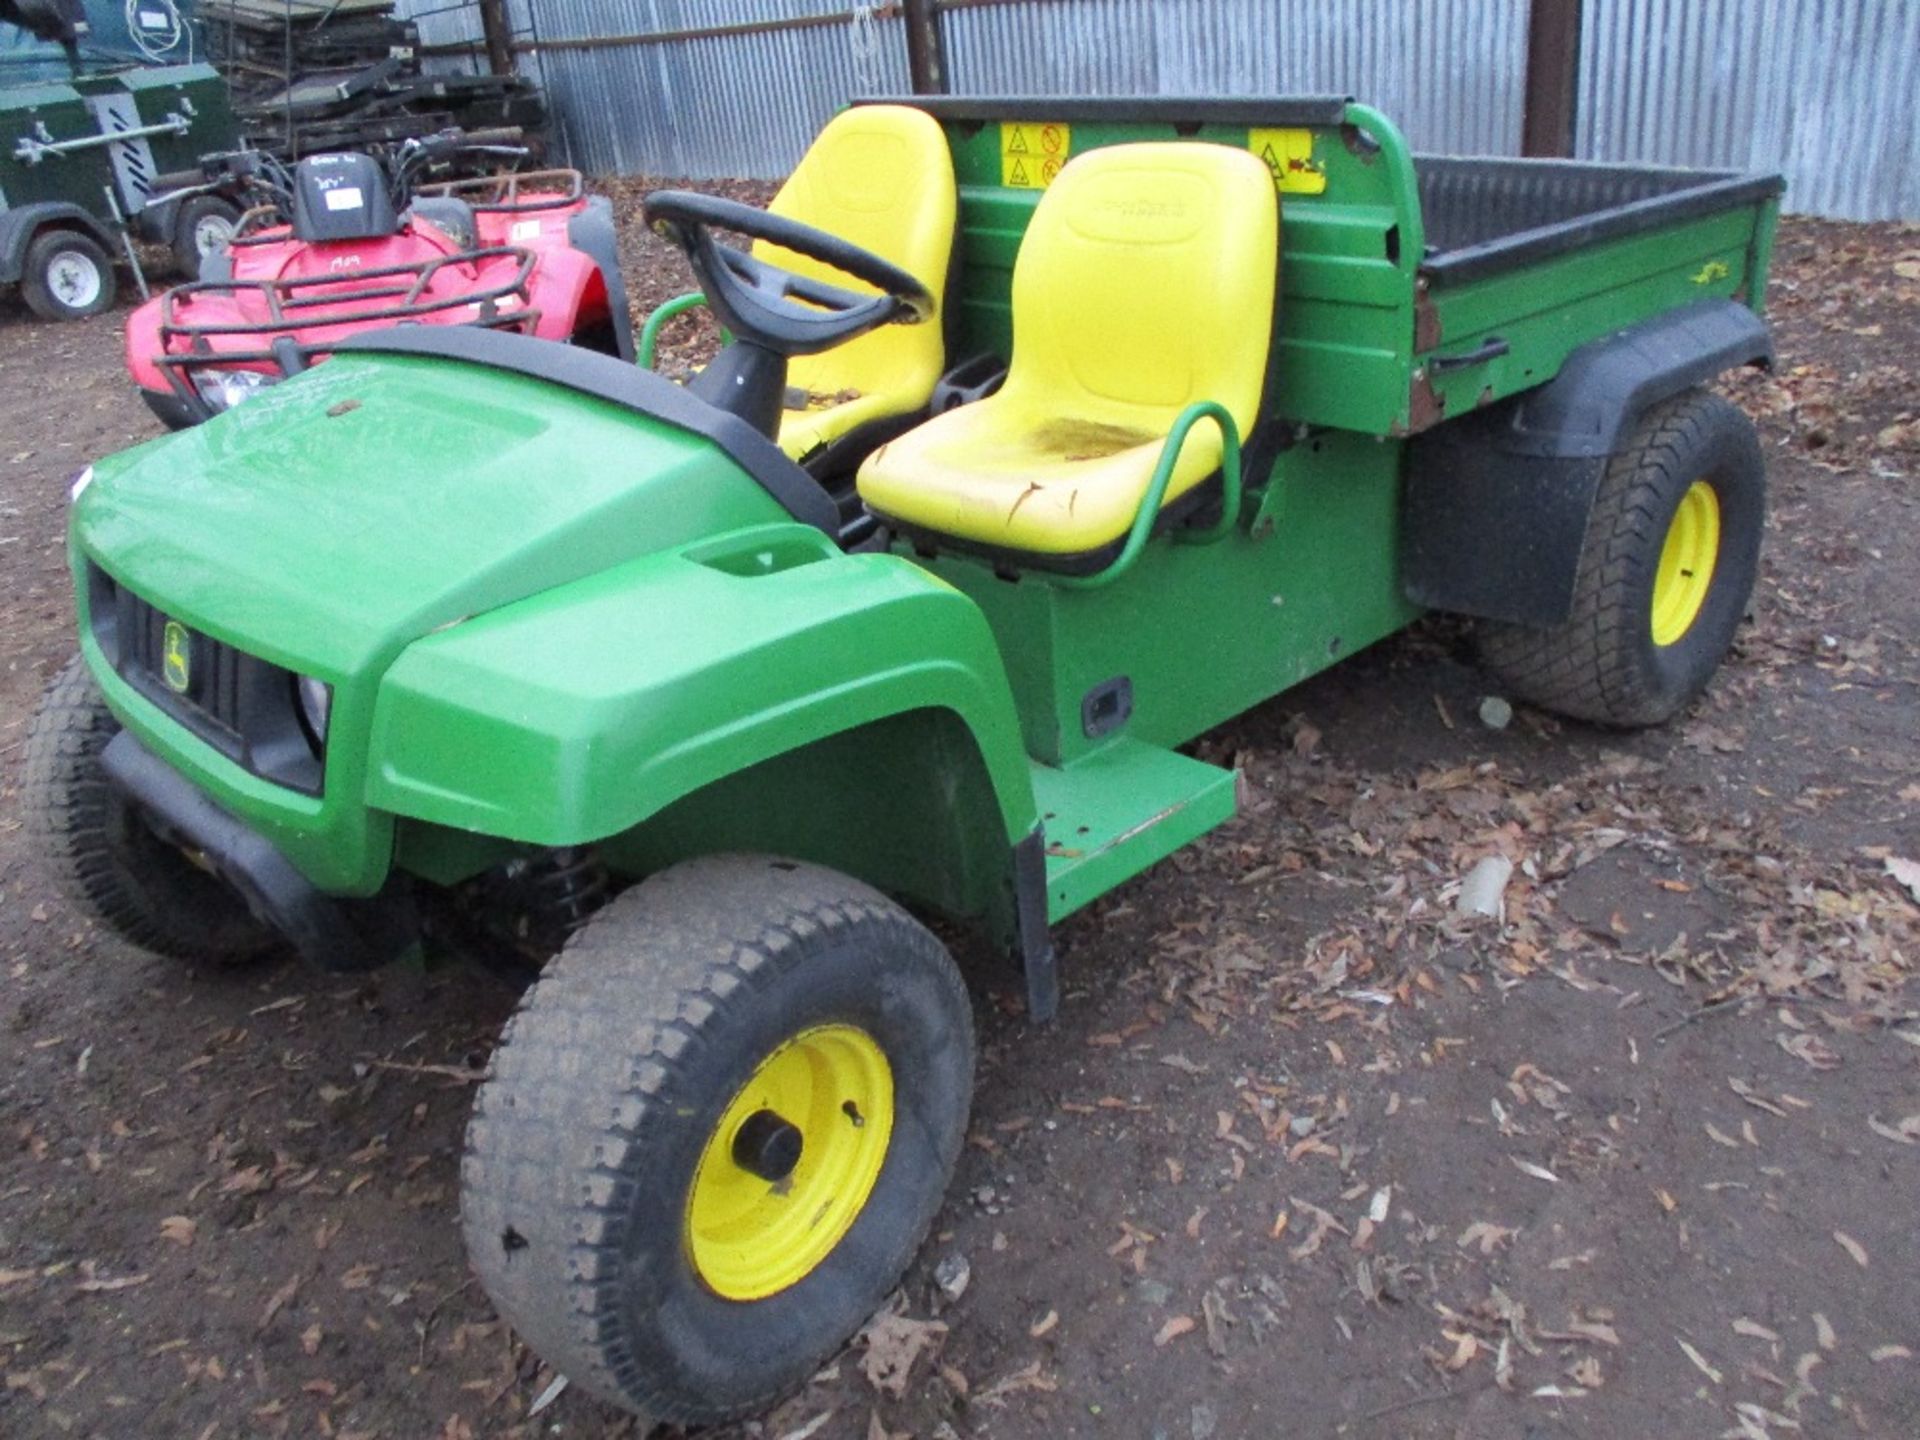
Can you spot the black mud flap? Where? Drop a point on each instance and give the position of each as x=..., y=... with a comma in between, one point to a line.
x=333, y=934
x=1035, y=940
x=1494, y=507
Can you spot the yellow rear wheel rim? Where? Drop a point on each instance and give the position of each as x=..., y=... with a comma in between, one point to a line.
x=758, y=1219
x=1687, y=559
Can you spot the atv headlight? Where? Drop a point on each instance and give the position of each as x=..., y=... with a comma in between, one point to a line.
x=316, y=705
x=224, y=389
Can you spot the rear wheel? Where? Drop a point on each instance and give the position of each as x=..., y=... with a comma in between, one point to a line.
x=67, y=276
x=715, y=1133
x=203, y=228
x=111, y=866
x=1666, y=571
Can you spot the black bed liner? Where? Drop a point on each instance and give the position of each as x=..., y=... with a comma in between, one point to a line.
x=1484, y=216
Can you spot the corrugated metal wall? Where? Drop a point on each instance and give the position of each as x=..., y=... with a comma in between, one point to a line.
x=1450, y=72
x=1823, y=89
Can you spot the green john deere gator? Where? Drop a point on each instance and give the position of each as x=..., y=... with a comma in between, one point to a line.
x=1052, y=433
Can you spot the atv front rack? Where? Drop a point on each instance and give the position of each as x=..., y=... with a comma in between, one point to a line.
x=296, y=304
x=505, y=192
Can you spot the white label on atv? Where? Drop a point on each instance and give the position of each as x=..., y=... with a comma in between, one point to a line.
x=524, y=230
x=152, y=20
x=347, y=197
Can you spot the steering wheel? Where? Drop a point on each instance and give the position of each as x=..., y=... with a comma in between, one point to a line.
x=762, y=303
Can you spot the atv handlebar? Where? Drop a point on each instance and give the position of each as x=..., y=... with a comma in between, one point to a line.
x=787, y=313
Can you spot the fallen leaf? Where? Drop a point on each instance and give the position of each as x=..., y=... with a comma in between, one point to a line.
x=1486, y=1235
x=1539, y=1172
x=1465, y=1347
x=1883, y=1353
x=1906, y=1132
x=1754, y=1330
x=180, y=1229
x=1700, y=1361
x=1907, y=872
x=1823, y=1332
x=1595, y=1330
x=125, y=1282
x=1044, y=1324
x=1809, y=1048
x=1176, y=1327
x=1027, y=1377
x=1853, y=1247
x=811, y=1428
x=894, y=1343
x=277, y=1301
x=310, y=1338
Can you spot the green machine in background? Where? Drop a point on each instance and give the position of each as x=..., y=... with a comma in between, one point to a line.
x=81, y=164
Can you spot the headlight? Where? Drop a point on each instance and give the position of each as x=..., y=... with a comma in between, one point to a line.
x=79, y=486
x=316, y=705
x=224, y=389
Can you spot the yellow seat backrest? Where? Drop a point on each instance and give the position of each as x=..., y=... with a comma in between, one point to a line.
x=880, y=176
x=1146, y=282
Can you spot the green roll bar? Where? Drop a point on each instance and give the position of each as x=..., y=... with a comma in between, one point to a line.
x=1149, y=512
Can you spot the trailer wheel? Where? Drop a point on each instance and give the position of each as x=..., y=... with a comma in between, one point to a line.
x=1667, y=568
x=715, y=1133
x=67, y=276
x=102, y=855
x=203, y=228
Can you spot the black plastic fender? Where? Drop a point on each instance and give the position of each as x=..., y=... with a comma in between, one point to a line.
x=591, y=232
x=1494, y=506
x=18, y=227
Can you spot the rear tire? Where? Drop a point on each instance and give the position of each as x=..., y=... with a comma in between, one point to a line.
x=105, y=860
x=624, y=1074
x=67, y=276
x=1641, y=643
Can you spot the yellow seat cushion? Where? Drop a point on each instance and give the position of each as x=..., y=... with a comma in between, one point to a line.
x=880, y=176
x=1145, y=282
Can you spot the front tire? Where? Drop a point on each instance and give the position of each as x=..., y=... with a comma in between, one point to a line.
x=103, y=856
x=67, y=276
x=716, y=1132
x=1665, y=574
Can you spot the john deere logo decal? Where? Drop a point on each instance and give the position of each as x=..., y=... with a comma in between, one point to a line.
x=176, y=667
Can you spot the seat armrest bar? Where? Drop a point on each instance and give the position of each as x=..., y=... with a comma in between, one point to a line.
x=656, y=322
x=1149, y=511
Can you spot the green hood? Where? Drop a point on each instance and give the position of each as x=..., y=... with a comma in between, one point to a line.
x=334, y=518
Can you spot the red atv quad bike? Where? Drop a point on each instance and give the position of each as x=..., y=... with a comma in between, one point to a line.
x=338, y=245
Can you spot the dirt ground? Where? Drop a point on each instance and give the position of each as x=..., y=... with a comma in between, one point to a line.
x=1304, y=1155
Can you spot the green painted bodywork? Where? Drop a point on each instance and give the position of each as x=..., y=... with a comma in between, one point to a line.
x=551, y=622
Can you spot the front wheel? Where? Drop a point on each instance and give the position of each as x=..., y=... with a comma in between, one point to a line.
x=67, y=276
x=1665, y=573
x=103, y=855
x=715, y=1133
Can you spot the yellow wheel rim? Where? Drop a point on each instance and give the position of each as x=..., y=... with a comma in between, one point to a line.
x=1687, y=558
x=791, y=1164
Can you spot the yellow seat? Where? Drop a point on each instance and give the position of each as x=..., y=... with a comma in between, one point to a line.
x=1145, y=283
x=880, y=176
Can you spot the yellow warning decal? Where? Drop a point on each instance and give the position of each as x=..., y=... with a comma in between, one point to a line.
x=1289, y=155
x=1032, y=152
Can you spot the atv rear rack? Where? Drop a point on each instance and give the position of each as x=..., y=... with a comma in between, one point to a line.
x=506, y=191
x=292, y=305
